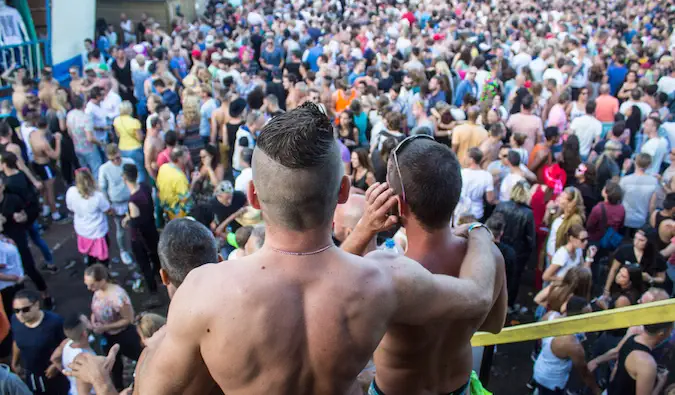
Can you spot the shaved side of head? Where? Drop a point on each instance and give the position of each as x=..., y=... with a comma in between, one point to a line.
x=297, y=169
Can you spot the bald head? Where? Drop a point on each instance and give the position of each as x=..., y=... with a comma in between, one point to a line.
x=605, y=89
x=347, y=215
x=654, y=295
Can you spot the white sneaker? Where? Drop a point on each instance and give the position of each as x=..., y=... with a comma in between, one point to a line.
x=126, y=258
x=46, y=211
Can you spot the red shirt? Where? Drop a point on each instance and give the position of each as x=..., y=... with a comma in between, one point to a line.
x=410, y=17
x=615, y=216
x=163, y=157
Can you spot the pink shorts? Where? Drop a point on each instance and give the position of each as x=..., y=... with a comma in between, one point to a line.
x=97, y=248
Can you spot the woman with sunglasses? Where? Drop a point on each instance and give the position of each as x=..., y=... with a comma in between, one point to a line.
x=644, y=254
x=112, y=317
x=570, y=254
x=577, y=108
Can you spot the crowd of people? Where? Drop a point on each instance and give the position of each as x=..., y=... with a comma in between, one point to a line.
x=226, y=138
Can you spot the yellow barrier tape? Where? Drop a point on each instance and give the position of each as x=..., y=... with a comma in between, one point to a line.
x=641, y=314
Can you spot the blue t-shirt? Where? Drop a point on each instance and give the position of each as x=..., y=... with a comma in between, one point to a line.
x=37, y=344
x=616, y=74
x=178, y=63
x=273, y=58
x=170, y=98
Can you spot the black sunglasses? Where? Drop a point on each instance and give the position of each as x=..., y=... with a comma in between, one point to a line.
x=24, y=309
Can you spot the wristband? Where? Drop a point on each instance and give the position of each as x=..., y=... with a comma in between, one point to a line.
x=478, y=225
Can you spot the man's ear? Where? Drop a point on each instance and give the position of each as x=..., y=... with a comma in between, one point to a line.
x=345, y=188
x=164, y=276
x=253, y=196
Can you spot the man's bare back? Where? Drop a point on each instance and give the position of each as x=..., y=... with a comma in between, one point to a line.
x=301, y=325
x=435, y=358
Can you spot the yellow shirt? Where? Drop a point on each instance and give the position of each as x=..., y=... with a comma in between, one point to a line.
x=467, y=136
x=173, y=187
x=126, y=128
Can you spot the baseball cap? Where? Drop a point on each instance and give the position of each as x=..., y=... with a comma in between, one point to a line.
x=224, y=187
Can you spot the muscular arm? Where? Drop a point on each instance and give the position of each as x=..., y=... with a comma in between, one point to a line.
x=171, y=366
x=472, y=293
x=494, y=323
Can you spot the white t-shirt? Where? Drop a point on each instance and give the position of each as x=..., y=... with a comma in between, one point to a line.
x=10, y=257
x=90, y=220
x=645, y=108
x=69, y=354
x=111, y=105
x=507, y=185
x=475, y=183
x=666, y=84
x=12, y=27
x=657, y=148
x=586, y=128
x=243, y=179
x=555, y=74
x=98, y=118
x=550, y=242
x=563, y=259
x=236, y=157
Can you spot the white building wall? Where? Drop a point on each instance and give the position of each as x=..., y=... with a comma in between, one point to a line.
x=72, y=22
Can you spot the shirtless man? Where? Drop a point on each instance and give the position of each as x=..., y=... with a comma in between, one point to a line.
x=434, y=358
x=184, y=245
x=220, y=116
x=76, y=83
x=20, y=95
x=152, y=146
x=42, y=156
x=300, y=316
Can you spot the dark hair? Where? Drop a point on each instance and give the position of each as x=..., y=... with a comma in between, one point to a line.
x=654, y=329
x=618, y=128
x=158, y=83
x=590, y=107
x=527, y=102
x=184, y=245
x=298, y=142
x=576, y=305
x=72, y=321
x=430, y=173
x=28, y=294
x=130, y=172
x=571, y=158
x=96, y=92
x=242, y=234
x=643, y=160
x=614, y=192
x=475, y=154
x=513, y=158
x=574, y=231
x=215, y=154
x=364, y=158
x=171, y=138
x=247, y=155
x=669, y=201
x=496, y=223
x=551, y=133
x=9, y=159
x=5, y=129
x=98, y=272
x=78, y=103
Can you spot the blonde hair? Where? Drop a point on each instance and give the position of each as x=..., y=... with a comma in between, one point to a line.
x=150, y=323
x=520, y=193
x=85, y=183
x=59, y=101
x=578, y=201
x=191, y=105
x=442, y=68
x=126, y=108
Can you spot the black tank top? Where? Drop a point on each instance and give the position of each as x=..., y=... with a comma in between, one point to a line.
x=660, y=218
x=623, y=384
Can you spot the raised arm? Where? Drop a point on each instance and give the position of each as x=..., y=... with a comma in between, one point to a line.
x=423, y=296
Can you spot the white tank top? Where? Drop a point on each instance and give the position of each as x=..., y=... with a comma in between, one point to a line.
x=576, y=112
x=549, y=370
x=69, y=354
x=26, y=131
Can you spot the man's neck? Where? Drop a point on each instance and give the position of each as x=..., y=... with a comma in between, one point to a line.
x=474, y=166
x=280, y=238
x=639, y=172
x=421, y=240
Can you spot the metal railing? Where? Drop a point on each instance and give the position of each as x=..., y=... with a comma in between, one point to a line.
x=641, y=314
x=30, y=54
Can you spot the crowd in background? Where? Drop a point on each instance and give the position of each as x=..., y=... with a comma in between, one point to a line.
x=559, y=112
